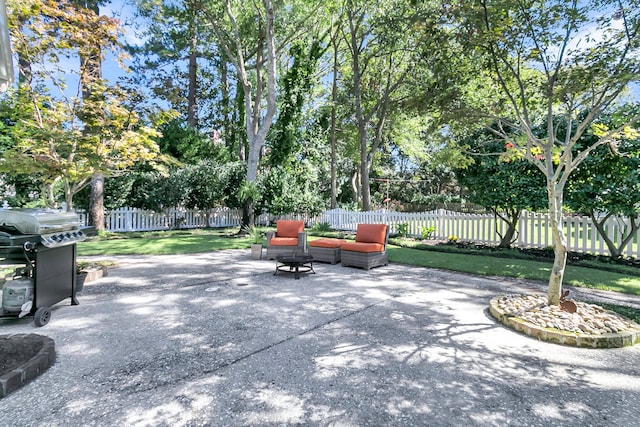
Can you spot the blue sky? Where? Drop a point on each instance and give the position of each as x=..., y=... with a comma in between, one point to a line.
x=121, y=10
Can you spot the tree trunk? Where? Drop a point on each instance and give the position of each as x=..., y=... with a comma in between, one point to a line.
x=90, y=73
x=240, y=135
x=360, y=118
x=555, y=193
x=614, y=251
x=512, y=224
x=192, y=103
x=68, y=195
x=355, y=187
x=228, y=130
x=332, y=132
x=50, y=200
x=25, y=73
x=365, y=189
x=248, y=214
x=96, y=202
x=24, y=70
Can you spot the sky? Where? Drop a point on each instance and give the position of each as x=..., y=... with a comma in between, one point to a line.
x=121, y=10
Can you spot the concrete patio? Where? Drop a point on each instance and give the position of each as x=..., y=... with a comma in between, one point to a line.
x=216, y=339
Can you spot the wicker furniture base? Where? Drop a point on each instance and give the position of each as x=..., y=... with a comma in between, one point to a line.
x=274, y=251
x=330, y=255
x=366, y=260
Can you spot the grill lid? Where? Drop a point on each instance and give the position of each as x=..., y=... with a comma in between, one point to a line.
x=37, y=221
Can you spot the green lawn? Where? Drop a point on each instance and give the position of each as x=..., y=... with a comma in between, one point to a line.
x=164, y=242
x=520, y=268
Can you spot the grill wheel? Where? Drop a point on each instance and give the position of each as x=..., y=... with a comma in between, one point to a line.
x=42, y=316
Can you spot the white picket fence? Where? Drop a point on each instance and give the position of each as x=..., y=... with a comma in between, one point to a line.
x=533, y=228
x=134, y=219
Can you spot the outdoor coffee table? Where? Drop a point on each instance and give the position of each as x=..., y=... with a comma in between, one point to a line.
x=294, y=263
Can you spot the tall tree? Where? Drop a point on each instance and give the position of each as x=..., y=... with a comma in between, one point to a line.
x=385, y=47
x=246, y=32
x=90, y=79
x=230, y=37
x=49, y=139
x=551, y=58
x=333, y=133
x=169, y=60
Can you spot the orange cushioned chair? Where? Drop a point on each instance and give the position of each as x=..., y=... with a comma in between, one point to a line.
x=370, y=248
x=289, y=238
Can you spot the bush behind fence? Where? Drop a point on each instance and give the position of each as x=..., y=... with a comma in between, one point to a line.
x=533, y=228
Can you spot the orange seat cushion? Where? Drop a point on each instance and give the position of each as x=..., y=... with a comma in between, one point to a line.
x=289, y=228
x=371, y=233
x=284, y=241
x=326, y=243
x=362, y=247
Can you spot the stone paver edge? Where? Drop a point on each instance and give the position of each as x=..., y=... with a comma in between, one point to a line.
x=612, y=340
x=21, y=375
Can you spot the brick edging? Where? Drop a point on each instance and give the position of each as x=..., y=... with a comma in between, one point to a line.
x=21, y=375
x=95, y=274
x=612, y=340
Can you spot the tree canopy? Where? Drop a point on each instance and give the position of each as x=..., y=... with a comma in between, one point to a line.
x=48, y=128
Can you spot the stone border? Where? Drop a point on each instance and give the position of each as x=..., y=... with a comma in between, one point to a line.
x=21, y=375
x=613, y=340
x=95, y=273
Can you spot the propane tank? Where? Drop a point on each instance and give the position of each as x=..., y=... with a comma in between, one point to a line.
x=15, y=293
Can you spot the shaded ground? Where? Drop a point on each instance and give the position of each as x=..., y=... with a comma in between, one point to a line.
x=217, y=339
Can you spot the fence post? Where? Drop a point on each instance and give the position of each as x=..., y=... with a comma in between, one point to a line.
x=128, y=220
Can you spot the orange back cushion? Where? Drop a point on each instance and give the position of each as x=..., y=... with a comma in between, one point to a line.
x=289, y=228
x=371, y=233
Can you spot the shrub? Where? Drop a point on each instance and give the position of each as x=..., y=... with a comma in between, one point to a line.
x=321, y=227
x=427, y=232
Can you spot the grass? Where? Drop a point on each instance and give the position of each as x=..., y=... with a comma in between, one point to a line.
x=586, y=277
x=164, y=242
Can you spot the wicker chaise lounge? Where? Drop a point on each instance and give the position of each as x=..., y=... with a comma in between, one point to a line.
x=370, y=248
x=289, y=238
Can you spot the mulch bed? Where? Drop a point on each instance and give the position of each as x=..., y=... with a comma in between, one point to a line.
x=17, y=350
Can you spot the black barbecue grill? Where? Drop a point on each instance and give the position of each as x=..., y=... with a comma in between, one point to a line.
x=45, y=242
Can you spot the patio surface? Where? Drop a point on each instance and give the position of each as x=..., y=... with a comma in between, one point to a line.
x=216, y=339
